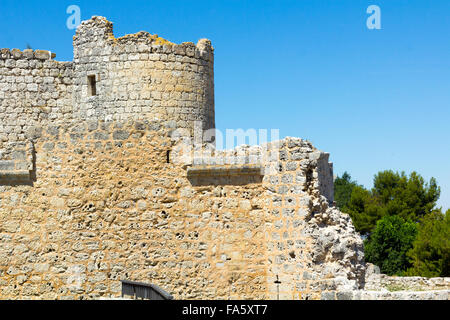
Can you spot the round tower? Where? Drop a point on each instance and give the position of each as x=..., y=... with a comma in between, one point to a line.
x=142, y=76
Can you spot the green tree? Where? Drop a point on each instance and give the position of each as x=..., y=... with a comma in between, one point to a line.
x=343, y=187
x=364, y=209
x=406, y=235
x=409, y=197
x=393, y=194
x=389, y=243
x=430, y=255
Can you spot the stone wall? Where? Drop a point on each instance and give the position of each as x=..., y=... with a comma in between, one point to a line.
x=376, y=281
x=34, y=90
x=106, y=206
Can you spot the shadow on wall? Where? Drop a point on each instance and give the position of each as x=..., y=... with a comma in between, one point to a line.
x=18, y=173
x=16, y=183
x=222, y=175
x=225, y=180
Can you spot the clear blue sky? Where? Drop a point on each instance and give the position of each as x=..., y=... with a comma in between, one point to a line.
x=374, y=99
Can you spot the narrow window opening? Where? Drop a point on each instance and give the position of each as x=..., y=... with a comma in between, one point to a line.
x=168, y=156
x=92, y=86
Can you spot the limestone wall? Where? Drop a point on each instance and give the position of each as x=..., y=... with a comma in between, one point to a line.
x=34, y=90
x=106, y=206
x=376, y=281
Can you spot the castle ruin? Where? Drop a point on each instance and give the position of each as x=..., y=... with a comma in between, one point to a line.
x=96, y=186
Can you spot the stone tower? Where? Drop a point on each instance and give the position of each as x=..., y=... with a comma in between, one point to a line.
x=141, y=76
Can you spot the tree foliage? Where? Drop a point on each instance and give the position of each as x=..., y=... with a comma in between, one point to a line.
x=364, y=209
x=343, y=187
x=389, y=243
x=406, y=234
x=430, y=255
x=408, y=197
x=393, y=194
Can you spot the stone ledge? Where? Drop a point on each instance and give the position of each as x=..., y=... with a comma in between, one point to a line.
x=20, y=175
x=223, y=170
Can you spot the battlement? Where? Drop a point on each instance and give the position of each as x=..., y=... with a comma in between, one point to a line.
x=100, y=30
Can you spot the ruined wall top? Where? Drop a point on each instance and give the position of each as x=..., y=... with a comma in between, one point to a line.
x=99, y=29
